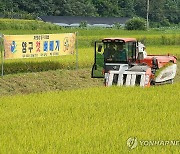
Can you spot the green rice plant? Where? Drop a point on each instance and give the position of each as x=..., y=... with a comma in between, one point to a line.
x=94, y=120
x=164, y=50
x=173, y=40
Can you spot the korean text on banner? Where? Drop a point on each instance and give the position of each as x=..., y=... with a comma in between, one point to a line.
x=41, y=45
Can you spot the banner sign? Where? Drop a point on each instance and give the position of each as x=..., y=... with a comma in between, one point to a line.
x=41, y=45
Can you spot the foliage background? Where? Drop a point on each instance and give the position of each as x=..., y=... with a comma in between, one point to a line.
x=162, y=11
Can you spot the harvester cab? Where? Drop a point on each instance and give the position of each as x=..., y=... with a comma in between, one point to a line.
x=124, y=61
x=110, y=53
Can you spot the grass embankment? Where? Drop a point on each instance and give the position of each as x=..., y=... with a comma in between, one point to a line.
x=10, y=25
x=47, y=81
x=51, y=80
x=94, y=120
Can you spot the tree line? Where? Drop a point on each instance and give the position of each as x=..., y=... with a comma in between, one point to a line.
x=161, y=11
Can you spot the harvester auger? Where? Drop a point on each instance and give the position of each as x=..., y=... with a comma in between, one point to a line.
x=124, y=61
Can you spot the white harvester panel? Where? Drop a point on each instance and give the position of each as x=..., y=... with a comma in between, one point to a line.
x=167, y=73
x=128, y=78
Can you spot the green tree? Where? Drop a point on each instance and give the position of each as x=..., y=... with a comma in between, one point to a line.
x=106, y=8
x=77, y=8
x=172, y=12
x=135, y=24
x=127, y=7
x=156, y=10
x=161, y=11
x=140, y=7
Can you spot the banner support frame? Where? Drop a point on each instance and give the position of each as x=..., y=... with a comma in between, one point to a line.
x=77, y=55
x=2, y=64
x=2, y=55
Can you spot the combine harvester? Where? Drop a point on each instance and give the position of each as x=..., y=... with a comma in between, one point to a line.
x=124, y=61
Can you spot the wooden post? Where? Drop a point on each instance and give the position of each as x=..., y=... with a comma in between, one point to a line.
x=2, y=63
x=147, y=17
x=77, y=64
x=2, y=55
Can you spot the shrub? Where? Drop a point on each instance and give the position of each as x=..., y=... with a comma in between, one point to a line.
x=165, y=23
x=135, y=24
x=83, y=24
x=117, y=25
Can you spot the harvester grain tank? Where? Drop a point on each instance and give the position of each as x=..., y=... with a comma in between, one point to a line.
x=124, y=61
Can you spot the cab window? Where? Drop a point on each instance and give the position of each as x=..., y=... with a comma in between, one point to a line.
x=131, y=48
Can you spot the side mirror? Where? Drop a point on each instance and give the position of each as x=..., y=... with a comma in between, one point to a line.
x=95, y=67
x=140, y=56
x=99, y=48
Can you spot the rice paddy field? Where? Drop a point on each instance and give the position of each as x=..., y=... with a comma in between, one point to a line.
x=49, y=106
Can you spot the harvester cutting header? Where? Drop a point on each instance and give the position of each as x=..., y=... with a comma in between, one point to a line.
x=124, y=61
